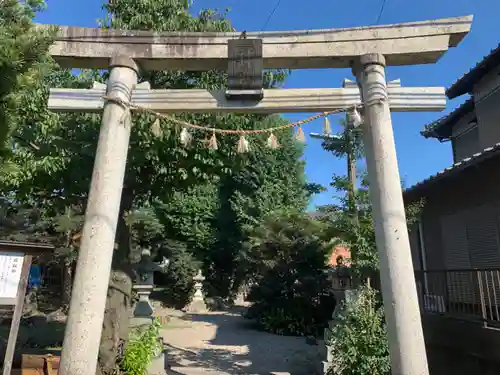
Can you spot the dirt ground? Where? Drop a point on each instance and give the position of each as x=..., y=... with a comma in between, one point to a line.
x=212, y=343
x=226, y=343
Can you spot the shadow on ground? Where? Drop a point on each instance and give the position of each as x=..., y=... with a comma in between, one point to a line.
x=234, y=345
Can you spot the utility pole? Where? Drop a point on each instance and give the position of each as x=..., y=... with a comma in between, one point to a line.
x=348, y=142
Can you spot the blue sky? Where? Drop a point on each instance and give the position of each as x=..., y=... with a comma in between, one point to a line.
x=418, y=157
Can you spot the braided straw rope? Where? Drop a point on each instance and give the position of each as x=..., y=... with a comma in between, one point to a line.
x=137, y=108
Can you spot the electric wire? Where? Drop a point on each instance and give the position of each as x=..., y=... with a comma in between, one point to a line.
x=271, y=15
x=381, y=12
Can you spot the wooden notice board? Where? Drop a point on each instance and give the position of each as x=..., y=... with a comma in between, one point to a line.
x=15, y=262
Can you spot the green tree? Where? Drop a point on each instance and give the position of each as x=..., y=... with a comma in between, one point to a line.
x=270, y=180
x=44, y=174
x=23, y=54
x=348, y=143
x=57, y=171
x=177, y=284
x=26, y=223
x=358, y=236
x=287, y=255
x=188, y=217
x=64, y=230
x=235, y=183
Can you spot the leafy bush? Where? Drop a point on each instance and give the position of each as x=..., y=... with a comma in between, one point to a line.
x=292, y=295
x=358, y=339
x=177, y=285
x=142, y=348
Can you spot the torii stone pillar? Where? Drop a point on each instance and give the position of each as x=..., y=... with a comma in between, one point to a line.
x=406, y=339
x=86, y=313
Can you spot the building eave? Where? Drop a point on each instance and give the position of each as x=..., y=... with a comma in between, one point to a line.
x=441, y=128
x=474, y=160
x=34, y=248
x=465, y=84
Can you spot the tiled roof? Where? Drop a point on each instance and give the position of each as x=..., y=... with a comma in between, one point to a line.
x=464, y=84
x=316, y=214
x=461, y=165
x=441, y=128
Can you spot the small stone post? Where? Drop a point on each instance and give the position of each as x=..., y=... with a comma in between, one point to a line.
x=399, y=292
x=197, y=304
x=88, y=299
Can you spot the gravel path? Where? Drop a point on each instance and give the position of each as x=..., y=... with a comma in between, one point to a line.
x=225, y=343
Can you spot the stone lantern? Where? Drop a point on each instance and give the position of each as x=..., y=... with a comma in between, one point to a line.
x=197, y=304
x=144, y=283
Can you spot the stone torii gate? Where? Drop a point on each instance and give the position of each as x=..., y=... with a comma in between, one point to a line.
x=367, y=50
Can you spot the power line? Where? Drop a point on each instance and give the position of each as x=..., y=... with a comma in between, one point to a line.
x=271, y=14
x=381, y=11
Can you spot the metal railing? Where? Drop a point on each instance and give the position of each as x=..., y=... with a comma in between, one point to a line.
x=472, y=295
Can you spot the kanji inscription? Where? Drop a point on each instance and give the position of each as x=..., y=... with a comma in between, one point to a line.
x=245, y=64
x=10, y=273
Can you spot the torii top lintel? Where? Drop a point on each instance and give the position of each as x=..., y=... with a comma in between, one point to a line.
x=402, y=44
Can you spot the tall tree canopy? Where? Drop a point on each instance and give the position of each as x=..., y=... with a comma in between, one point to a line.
x=207, y=199
x=23, y=50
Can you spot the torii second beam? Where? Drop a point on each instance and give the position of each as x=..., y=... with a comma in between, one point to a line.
x=401, y=99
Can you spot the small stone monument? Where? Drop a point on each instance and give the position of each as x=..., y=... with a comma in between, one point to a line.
x=197, y=304
x=349, y=295
x=145, y=269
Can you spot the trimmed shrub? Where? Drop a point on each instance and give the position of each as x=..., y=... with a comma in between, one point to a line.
x=292, y=295
x=358, y=339
x=176, y=285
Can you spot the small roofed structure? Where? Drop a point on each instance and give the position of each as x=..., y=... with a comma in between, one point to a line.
x=31, y=248
x=340, y=256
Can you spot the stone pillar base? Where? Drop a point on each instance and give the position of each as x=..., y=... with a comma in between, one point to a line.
x=326, y=367
x=140, y=322
x=196, y=306
x=159, y=365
